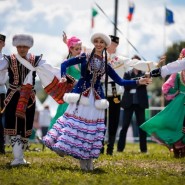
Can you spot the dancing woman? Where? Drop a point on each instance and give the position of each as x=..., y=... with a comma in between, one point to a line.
x=80, y=130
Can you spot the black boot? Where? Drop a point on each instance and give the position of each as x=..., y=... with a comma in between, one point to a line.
x=102, y=150
x=110, y=146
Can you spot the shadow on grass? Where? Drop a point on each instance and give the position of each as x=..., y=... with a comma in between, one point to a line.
x=8, y=167
x=77, y=169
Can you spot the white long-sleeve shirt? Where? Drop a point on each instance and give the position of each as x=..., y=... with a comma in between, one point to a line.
x=173, y=67
x=3, y=78
x=121, y=65
x=4, y=63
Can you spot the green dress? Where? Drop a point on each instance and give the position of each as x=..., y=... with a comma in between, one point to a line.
x=74, y=71
x=166, y=126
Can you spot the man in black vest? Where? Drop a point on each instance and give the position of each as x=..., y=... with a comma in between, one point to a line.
x=133, y=100
x=20, y=97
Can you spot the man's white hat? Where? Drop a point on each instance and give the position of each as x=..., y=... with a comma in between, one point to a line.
x=22, y=40
x=103, y=36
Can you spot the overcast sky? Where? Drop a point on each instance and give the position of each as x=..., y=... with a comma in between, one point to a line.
x=46, y=19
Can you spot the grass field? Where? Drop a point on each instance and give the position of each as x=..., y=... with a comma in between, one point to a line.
x=158, y=167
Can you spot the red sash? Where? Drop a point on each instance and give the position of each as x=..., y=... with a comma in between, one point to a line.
x=57, y=89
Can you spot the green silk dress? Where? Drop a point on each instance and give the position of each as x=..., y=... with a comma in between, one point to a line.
x=74, y=71
x=166, y=126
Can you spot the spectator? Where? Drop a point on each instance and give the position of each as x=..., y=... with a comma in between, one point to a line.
x=134, y=100
x=44, y=120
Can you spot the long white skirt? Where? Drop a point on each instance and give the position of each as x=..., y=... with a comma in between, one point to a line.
x=78, y=133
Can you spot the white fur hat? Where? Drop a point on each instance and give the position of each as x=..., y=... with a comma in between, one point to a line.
x=22, y=40
x=103, y=36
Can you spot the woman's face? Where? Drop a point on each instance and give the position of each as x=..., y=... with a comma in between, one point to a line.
x=76, y=50
x=99, y=44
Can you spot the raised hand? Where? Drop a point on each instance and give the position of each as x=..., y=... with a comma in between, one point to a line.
x=64, y=37
x=161, y=61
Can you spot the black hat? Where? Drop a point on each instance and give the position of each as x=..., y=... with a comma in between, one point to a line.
x=2, y=37
x=114, y=39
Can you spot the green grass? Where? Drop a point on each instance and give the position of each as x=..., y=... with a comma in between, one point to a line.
x=158, y=167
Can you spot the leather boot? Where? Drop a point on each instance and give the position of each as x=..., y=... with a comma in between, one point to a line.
x=18, y=149
x=110, y=145
x=24, y=147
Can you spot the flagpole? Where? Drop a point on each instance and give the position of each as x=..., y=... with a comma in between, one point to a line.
x=115, y=17
x=164, y=29
x=120, y=31
x=164, y=51
x=128, y=28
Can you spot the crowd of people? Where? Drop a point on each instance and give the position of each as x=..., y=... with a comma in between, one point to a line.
x=89, y=89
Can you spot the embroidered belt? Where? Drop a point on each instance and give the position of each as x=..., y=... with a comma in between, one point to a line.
x=14, y=89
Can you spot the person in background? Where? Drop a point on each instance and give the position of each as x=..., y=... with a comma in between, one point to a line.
x=74, y=45
x=113, y=96
x=166, y=126
x=134, y=100
x=3, y=91
x=80, y=130
x=120, y=64
x=44, y=120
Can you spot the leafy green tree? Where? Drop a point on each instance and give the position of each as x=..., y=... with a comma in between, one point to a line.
x=173, y=51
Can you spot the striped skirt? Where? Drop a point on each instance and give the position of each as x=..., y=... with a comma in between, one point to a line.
x=78, y=132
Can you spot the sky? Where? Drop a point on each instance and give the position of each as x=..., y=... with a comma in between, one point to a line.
x=45, y=20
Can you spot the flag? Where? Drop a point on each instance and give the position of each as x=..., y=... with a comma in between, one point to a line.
x=93, y=15
x=130, y=10
x=169, y=17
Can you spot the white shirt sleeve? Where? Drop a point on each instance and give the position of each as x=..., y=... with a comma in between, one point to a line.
x=41, y=62
x=3, y=63
x=173, y=67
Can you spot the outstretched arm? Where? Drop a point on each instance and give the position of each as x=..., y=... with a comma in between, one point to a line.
x=173, y=67
x=72, y=61
x=123, y=82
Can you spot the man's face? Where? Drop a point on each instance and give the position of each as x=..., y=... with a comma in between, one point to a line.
x=2, y=44
x=112, y=48
x=22, y=50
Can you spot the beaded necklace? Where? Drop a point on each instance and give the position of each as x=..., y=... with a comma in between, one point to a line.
x=97, y=68
x=97, y=65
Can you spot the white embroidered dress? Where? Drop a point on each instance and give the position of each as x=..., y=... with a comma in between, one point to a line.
x=80, y=132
